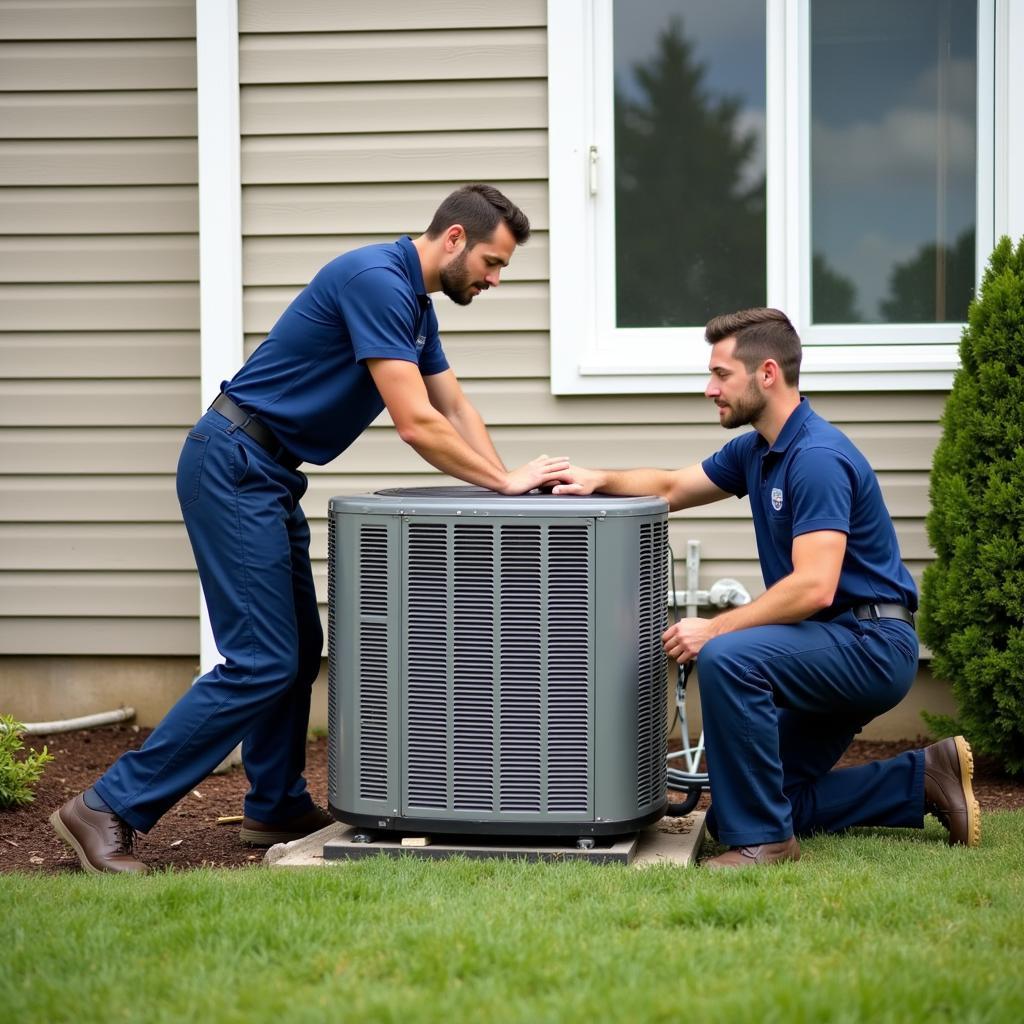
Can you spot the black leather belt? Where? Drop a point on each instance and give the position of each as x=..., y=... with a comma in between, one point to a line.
x=256, y=429
x=883, y=611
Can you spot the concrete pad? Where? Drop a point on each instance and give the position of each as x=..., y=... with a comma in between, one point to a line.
x=671, y=841
x=668, y=841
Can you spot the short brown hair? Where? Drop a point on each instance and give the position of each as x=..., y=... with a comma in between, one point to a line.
x=478, y=208
x=760, y=334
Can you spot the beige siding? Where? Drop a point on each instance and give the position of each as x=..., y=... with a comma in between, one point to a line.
x=99, y=342
x=356, y=120
x=356, y=123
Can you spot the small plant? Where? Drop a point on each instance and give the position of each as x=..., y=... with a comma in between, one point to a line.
x=18, y=777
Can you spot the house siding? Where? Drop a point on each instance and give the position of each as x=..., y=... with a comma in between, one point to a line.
x=99, y=343
x=356, y=120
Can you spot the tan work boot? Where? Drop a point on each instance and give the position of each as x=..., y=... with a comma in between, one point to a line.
x=756, y=856
x=102, y=841
x=948, y=794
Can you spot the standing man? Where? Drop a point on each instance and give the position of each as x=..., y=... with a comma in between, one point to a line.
x=360, y=337
x=788, y=680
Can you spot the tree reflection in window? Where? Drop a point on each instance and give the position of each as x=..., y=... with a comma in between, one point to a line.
x=689, y=212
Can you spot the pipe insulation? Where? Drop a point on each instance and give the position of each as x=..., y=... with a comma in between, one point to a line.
x=84, y=722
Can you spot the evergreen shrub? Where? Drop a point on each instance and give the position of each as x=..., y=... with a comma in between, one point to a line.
x=973, y=593
x=18, y=777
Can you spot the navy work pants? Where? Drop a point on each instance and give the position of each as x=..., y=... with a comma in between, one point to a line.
x=780, y=705
x=251, y=544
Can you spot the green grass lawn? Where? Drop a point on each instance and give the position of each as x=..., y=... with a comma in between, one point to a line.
x=873, y=926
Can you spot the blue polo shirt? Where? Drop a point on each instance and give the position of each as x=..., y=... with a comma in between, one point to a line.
x=813, y=478
x=308, y=380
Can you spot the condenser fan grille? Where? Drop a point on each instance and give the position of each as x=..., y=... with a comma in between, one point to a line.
x=653, y=582
x=497, y=667
x=373, y=663
x=332, y=650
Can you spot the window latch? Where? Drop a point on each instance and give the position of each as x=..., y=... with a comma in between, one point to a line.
x=592, y=169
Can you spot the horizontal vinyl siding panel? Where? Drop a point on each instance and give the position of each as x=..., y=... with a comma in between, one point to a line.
x=505, y=353
x=390, y=209
x=98, y=307
x=425, y=156
x=152, y=498
x=89, y=499
x=517, y=306
x=99, y=636
x=393, y=56
x=621, y=446
x=99, y=162
x=56, y=355
x=345, y=108
x=331, y=16
x=99, y=403
x=167, y=113
x=105, y=547
x=107, y=258
x=88, y=594
x=96, y=19
x=89, y=65
x=78, y=451
x=100, y=210
x=276, y=260
x=868, y=407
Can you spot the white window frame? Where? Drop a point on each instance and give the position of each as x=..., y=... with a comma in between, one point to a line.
x=589, y=355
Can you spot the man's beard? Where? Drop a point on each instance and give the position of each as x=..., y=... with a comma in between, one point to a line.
x=455, y=282
x=746, y=409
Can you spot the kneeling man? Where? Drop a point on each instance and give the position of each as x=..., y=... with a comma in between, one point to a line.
x=788, y=680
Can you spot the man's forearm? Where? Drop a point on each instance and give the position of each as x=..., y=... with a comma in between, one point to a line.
x=471, y=428
x=437, y=441
x=634, y=482
x=792, y=599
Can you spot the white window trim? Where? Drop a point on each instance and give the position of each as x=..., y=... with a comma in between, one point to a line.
x=590, y=356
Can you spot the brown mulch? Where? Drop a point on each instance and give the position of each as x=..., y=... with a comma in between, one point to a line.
x=188, y=836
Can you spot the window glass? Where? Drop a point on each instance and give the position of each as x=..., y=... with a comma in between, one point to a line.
x=893, y=102
x=690, y=233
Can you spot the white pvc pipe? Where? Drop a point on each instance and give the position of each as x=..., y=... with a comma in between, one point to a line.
x=84, y=722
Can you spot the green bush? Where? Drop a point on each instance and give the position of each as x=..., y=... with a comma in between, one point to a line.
x=18, y=777
x=973, y=593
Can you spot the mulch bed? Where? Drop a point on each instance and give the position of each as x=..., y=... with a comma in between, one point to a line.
x=188, y=836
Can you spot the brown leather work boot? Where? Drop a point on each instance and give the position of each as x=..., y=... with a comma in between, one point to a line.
x=756, y=856
x=260, y=833
x=948, y=794
x=102, y=841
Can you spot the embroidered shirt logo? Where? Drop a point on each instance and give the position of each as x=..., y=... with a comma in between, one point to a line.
x=420, y=342
x=777, y=498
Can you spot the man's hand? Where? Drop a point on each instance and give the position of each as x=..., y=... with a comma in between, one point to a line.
x=541, y=471
x=683, y=641
x=577, y=480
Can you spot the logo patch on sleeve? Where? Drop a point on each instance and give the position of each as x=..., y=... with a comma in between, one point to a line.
x=777, y=499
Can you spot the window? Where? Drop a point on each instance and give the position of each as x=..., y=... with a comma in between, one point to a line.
x=893, y=160
x=689, y=117
x=824, y=157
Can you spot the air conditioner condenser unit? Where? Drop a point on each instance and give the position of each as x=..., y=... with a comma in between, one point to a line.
x=495, y=663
